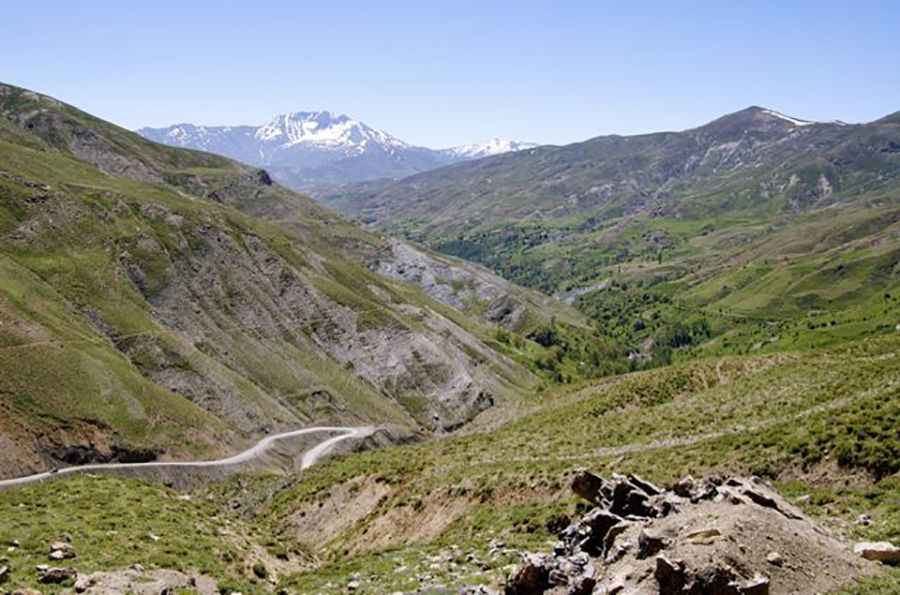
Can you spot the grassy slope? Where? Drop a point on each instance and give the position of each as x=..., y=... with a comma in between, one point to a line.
x=810, y=420
x=822, y=423
x=57, y=367
x=137, y=524
x=825, y=278
x=82, y=339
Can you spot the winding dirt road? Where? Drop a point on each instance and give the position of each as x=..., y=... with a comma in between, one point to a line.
x=309, y=458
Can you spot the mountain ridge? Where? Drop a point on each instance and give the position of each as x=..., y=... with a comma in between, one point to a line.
x=726, y=143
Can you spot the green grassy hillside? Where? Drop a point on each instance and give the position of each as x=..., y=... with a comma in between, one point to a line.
x=158, y=302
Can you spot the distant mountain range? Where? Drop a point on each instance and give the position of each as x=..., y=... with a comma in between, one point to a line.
x=753, y=159
x=305, y=150
x=495, y=146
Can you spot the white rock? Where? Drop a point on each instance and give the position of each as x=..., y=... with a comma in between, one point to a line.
x=84, y=583
x=61, y=550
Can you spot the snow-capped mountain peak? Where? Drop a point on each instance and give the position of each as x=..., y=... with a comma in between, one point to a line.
x=323, y=128
x=495, y=146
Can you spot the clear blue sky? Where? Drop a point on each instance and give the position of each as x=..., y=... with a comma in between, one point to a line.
x=442, y=73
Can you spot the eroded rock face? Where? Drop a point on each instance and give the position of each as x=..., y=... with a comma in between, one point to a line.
x=462, y=285
x=89, y=441
x=433, y=370
x=704, y=537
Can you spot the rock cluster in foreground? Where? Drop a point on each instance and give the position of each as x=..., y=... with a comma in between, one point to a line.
x=712, y=537
x=134, y=580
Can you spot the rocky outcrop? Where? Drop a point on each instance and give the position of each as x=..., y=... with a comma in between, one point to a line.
x=721, y=537
x=55, y=576
x=144, y=582
x=83, y=454
x=881, y=551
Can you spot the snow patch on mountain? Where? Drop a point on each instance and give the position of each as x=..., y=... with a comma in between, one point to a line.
x=798, y=121
x=780, y=116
